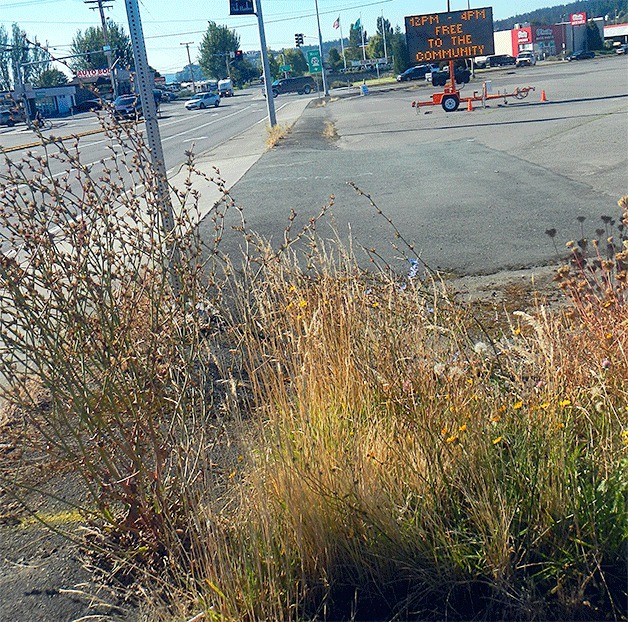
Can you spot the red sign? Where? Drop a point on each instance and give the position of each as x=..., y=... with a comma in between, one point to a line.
x=522, y=35
x=92, y=73
x=578, y=19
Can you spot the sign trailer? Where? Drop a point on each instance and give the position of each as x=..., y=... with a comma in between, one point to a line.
x=450, y=36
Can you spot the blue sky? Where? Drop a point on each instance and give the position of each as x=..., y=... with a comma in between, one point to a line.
x=168, y=23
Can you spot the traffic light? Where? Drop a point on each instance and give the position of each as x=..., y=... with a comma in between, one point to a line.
x=238, y=55
x=298, y=39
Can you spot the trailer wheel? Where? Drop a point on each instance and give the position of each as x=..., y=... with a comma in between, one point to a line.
x=450, y=103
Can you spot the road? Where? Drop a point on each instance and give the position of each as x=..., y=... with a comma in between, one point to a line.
x=474, y=192
x=180, y=129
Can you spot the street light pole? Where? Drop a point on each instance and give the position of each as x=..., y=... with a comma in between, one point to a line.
x=320, y=49
x=270, y=102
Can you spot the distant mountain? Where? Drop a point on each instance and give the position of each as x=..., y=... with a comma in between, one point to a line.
x=615, y=9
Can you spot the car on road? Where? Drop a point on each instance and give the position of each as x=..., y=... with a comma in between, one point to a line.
x=200, y=101
x=416, y=73
x=7, y=118
x=500, y=60
x=301, y=84
x=88, y=105
x=526, y=59
x=127, y=106
x=581, y=55
x=622, y=49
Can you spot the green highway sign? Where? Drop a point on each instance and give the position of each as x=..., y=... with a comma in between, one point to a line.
x=285, y=68
x=314, y=61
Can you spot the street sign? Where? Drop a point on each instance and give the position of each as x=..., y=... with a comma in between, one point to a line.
x=314, y=61
x=439, y=37
x=578, y=19
x=241, y=7
x=285, y=68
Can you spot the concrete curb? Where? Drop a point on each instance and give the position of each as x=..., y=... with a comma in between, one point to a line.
x=38, y=143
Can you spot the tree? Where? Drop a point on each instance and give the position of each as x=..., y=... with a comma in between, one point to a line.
x=594, y=40
x=91, y=44
x=217, y=45
x=40, y=58
x=296, y=60
x=334, y=59
x=20, y=71
x=375, y=47
x=5, y=60
x=50, y=77
x=243, y=71
x=400, y=51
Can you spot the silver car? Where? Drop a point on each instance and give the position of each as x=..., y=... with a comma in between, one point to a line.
x=203, y=100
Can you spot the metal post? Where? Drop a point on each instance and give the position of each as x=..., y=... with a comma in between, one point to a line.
x=270, y=102
x=187, y=47
x=144, y=81
x=384, y=36
x=320, y=49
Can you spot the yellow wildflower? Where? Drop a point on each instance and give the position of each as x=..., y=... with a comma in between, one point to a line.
x=497, y=440
x=517, y=405
x=452, y=439
x=302, y=304
x=564, y=403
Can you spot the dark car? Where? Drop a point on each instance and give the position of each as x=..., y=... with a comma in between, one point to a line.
x=581, y=55
x=500, y=60
x=302, y=84
x=416, y=73
x=461, y=76
x=88, y=105
x=127, y=106
x=6, y=117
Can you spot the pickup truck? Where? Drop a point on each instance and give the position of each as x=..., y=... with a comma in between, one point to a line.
x=526, y=59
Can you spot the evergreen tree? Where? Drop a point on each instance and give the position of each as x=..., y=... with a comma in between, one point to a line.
x=594, y=40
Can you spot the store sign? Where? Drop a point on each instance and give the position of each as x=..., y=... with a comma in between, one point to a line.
x=92, y=73
x=447, y=36
x=543, y=34
x=578, y=19
x=523, y=35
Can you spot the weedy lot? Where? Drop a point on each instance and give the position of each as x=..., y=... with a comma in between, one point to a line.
x=292, y=437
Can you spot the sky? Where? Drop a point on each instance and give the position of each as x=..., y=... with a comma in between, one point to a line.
x=167, y=24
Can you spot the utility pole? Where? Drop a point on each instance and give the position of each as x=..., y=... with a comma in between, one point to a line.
x=145, y=83
x=187, y=47
x=105, y=35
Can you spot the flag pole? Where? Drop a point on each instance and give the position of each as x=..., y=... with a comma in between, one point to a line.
x=362, y=37
x=342, y=44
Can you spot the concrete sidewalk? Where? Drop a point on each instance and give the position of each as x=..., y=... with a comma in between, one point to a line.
x=230, y=160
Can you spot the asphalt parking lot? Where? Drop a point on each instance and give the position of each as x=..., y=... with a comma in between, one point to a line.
x=474, y=192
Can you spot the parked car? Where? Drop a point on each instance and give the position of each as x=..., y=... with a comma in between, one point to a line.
x=500, y=60
x=581, y=55
x=7, y=118
x=302, y=84
x=416, y=73
x=526, y=59
x=200, y=101
x=439, y=78
x=127, y=106
x=622, y=49
x=88, y=105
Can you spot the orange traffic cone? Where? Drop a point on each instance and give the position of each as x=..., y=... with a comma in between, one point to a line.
x=469, y=106
x=543, y=96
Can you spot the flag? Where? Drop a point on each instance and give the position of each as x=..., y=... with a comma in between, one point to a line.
x=357, y=25
x=336, y=24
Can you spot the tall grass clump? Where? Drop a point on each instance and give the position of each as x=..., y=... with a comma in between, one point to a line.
x=299, y=438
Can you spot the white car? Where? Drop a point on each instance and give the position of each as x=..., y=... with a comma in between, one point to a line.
x=526, y=59
x=203, y=100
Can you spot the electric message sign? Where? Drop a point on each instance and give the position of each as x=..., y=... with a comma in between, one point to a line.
x=447, y=36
